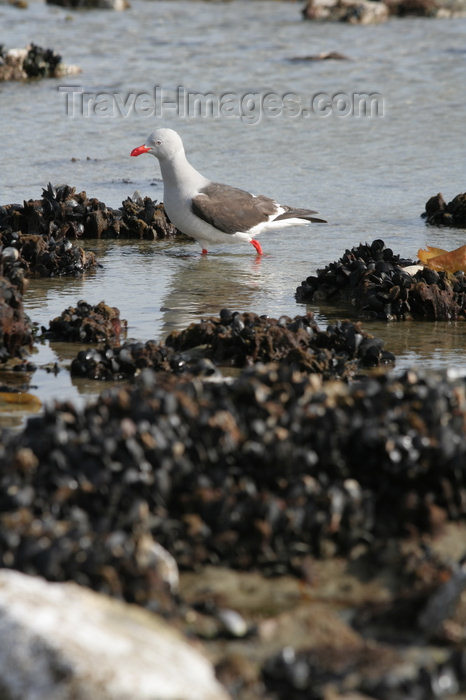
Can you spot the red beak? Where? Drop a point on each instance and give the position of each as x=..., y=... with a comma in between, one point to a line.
x=140, y=149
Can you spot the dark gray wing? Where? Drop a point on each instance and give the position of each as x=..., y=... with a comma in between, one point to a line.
x=232, y=210
x=305, y=214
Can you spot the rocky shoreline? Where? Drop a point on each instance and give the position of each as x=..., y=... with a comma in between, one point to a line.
x=265, y=501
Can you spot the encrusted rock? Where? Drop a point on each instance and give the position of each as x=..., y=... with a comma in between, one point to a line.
x=371, y=279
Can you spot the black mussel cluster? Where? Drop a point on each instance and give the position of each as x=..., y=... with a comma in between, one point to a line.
x=375, y=671
x=35, y=255
x=241, y=339
x=371, y=279
x=113, y=363
x=63, y=213
x=144, y=218
x=85, y=323
x=439, y=213
x=32, y=62
x=41, y=63
x=261, y=471
x=15, y=326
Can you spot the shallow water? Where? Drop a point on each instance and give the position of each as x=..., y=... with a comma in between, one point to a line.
x=370, y=177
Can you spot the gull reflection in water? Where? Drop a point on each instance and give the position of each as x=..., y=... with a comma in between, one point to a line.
x=202, y=286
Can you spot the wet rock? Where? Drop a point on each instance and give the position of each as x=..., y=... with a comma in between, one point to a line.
x=87, y=324
x=263, y=471
x=352, y=11
x=371, y=279
x=32, y=62
x=84, y=645
x=439, y=213
x=63, y=213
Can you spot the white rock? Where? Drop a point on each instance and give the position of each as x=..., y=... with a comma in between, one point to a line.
x=60, y=641
x=412, y=269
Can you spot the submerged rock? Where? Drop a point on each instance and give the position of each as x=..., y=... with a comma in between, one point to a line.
x=61, y=641
x=439, y=213
x=352, y=11
x=63, y=213
x=32, y=62
x=92, y=4
x=372, y=279
x=323, y=56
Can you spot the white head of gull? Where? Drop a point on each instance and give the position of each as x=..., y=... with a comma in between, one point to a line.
x=211, y=212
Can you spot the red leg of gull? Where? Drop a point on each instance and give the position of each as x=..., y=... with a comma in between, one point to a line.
x=204, y=251
x=257, y=246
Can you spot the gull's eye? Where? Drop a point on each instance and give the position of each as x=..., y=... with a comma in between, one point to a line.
x=158, y=143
